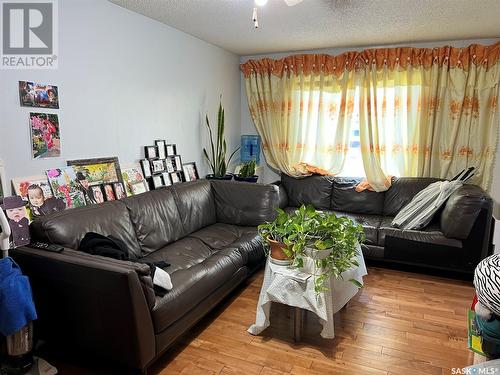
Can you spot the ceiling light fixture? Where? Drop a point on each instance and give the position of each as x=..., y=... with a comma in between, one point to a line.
x=260, y=3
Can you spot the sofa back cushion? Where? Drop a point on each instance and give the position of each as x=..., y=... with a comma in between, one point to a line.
x=196, y=204
x=462, y=209
x=346, y=199
x=315, y=190
x=67, y=228
x=402, y=191
x=155, y=218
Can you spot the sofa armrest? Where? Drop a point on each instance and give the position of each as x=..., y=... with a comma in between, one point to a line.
x=283, y=196
x=244, y=203
x=90, y=303
x=462, y=209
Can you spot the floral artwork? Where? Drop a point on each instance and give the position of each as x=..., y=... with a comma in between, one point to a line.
x=33, y=94
x=65, y=186
x=45, y=136
x=132, y=177
x=98, y=174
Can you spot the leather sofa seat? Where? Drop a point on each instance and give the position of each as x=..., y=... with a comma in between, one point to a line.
x=429, y=235
x=243, y=239
x=370, y=224
x=196, y=271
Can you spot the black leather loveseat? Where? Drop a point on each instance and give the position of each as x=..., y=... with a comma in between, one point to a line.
x=107, y=307
x=456, y=240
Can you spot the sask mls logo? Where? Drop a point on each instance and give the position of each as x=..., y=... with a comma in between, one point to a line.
x=29, y=34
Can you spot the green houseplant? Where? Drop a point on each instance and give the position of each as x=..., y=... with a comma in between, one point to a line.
x=218, y=150
x=247, y=172
x=319, y=243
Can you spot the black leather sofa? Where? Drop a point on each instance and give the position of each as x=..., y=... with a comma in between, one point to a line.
x=107, y=307
x=456, y=240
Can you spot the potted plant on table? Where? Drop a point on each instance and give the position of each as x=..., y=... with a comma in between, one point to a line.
x=217, y=158
x=281, y=237
x=329, y=245
x=319, y=243
x=247, y=172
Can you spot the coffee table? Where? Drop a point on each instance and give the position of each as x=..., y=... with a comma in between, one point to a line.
x=282, y=286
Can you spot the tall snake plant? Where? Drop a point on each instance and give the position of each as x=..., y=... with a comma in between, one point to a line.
x=217, y=161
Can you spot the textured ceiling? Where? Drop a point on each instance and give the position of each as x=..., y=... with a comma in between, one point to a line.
x=315, y=24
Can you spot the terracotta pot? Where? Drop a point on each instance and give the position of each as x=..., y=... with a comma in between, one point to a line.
x=276, y=250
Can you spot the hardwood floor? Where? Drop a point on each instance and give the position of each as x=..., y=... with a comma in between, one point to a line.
x=399, y=323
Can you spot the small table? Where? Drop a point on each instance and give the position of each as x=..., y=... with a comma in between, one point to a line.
x=281, y=286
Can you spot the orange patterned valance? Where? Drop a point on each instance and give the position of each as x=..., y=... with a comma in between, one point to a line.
x=391, y=57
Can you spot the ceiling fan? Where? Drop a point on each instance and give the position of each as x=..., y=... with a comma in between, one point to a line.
x=261, y=3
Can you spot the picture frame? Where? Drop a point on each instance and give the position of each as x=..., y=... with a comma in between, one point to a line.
x=119, y=190
x=109, y=192
x=146, y=168
x=150, y=152
x=170, y=164
x=99, y=170
x=178, y=163
x=38, y=95
x=157, y=166
x=45, y=135
x=176, y=177
x=171, y=149
x=167, y=181
x=157, y=181
x=160, y=146
x=139, y=187
x=131, y=173
x=190, y=171
x=98, y=193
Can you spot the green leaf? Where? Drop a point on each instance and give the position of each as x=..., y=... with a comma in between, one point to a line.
x=356, y=282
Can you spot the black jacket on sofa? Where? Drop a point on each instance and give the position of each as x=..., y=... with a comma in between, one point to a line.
x=206, y=230
x=456, y=240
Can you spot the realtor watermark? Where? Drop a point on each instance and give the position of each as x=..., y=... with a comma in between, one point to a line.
x=487, y=370
x=29, y=34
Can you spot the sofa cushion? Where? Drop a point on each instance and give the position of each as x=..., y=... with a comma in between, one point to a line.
x=462, y=209
x=430, y=235
x=196, y=271
x=402, y=192
x=244, y=239
x=156, y=219
x=315, y=190
x=67, y=228
x=196, y=205
x=346, y=199
x=370, y=224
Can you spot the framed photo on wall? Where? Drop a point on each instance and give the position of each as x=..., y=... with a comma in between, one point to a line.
x=176, y=177
x=160, y=146
x=34, y=94
x=150, y=152
x=109, y=192
x=119, y=190
x=146, y=168
x=98, y=171
x=178, y=163
x=139, y=187
x=158, y=166
x=169, y=164
x=157, y=181
x=190, y=171
x=167, y=181
x=171, y=150
x=98, y=193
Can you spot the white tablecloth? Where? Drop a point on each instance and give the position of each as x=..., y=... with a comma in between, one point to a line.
x=281, y=288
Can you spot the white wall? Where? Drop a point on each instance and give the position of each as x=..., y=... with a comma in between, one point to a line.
x=124, y=81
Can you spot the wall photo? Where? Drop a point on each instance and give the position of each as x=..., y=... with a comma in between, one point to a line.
x=33, y=94
x=45, y=135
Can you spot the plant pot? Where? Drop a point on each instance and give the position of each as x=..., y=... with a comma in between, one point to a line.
x=277, y=255
x=253, y=178
x=309, y=260
x=226, y=177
